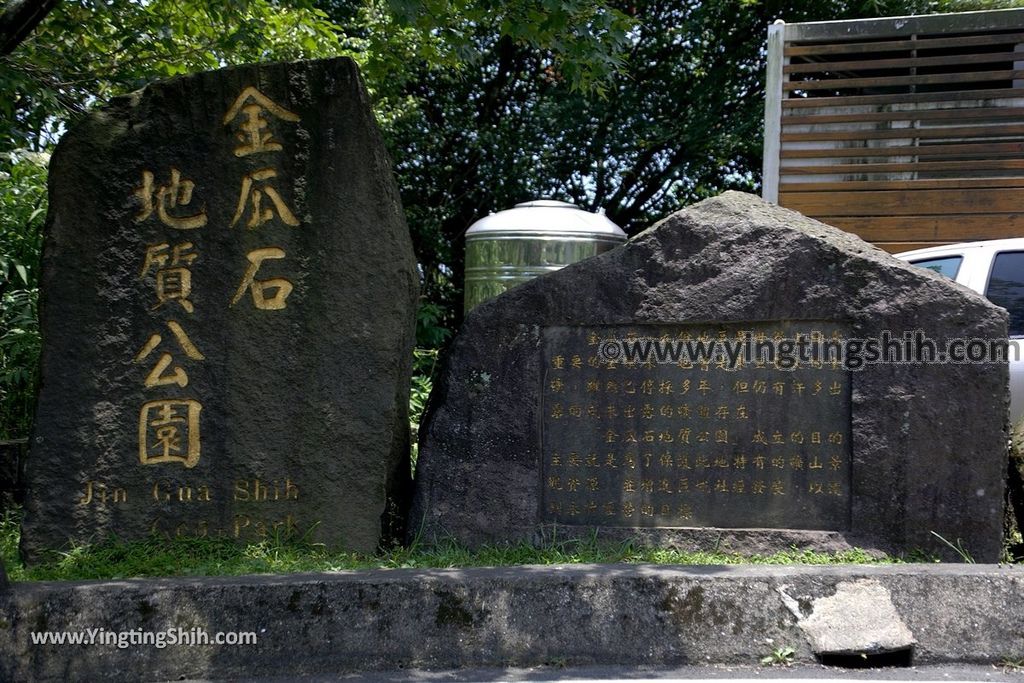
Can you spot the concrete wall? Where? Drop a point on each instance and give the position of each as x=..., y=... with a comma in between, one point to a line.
x=522, y=616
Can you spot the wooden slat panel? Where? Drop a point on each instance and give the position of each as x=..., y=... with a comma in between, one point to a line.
x=990, y=150
x=907, y=214
x=902, y=63
x=917, y=203
x=975, y=131
x=901, y=98
x=858, y=169
x=952, y=228
x=938, y=184
x=913, y=44
x=907, y=27
x=885, y=81
x=951, y=114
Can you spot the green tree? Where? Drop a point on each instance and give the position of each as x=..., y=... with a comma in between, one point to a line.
x=87, y=51
x=452, y=80
x=22, y=209
x=682, y=120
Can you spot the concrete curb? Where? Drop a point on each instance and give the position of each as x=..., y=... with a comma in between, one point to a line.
x=520, y=616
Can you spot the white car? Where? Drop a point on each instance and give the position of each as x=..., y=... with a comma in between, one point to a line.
x=994, y=268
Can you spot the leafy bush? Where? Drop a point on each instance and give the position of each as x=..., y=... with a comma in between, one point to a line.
x=22, y=212
x=423, y=371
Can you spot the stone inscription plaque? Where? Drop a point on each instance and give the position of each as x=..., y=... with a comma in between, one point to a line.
x=209, y=242
x=690, y=444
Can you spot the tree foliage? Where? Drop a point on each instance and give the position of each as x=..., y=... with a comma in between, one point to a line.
x=676, y=117
x=22, y=209
x=86, y=51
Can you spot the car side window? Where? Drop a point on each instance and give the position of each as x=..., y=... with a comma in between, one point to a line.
x=945, y=265
x=1006, y=287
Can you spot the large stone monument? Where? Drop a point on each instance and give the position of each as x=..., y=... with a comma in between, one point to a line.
x=228, y=314
x=541, y=424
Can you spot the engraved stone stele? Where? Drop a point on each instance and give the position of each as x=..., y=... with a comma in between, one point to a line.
x=228, y=315
x=535, y=431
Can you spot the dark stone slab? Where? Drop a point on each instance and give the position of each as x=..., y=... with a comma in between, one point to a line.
x=657, y=445
x=532, y=433
x=575, y=615
x=228, y=310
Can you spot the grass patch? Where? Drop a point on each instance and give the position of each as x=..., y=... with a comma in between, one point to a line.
x=222, y=557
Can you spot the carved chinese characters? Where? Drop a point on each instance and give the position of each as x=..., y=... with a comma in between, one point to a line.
x=166, y=199
x=254, y=134
x=692, y=443
x=170, y=428
x=229, y=292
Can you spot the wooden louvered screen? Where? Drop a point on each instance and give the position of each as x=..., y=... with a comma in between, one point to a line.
x=908, y=132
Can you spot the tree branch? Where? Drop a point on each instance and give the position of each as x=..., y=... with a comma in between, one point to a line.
x=18, y=19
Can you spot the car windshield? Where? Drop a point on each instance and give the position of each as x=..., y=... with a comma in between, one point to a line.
x=943, y=265
x=1006, y=288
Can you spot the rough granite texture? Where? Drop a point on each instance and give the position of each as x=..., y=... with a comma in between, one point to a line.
x=507, y=617
x=928, y=441
x=303, y=421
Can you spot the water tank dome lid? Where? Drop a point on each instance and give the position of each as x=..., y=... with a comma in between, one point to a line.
x=543, y=215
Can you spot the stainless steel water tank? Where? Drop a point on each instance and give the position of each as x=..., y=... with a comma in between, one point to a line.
x=510, y=247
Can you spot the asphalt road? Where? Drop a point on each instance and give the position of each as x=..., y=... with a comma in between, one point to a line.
x=736, y=674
